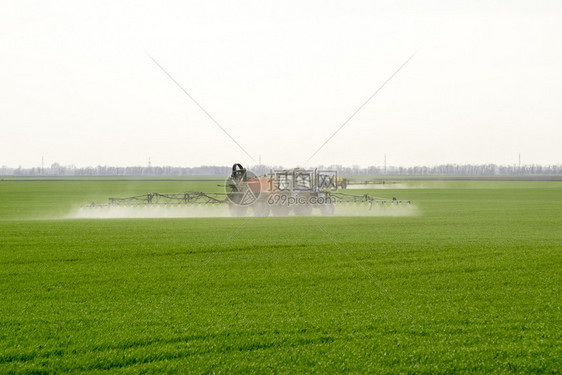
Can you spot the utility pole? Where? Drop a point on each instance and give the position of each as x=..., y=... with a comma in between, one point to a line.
x=385, y=163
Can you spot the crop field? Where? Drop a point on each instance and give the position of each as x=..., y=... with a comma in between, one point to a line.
x=468, y=282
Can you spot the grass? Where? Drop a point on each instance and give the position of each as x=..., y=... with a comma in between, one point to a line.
x=472, y=284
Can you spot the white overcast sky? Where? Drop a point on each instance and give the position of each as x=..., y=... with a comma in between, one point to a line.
x=76, y=85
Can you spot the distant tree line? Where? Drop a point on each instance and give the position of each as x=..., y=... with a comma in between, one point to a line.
x=453, y=170
x=150, y=171
x=139, y=171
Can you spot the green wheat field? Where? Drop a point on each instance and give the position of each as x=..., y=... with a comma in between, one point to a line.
x=468, y=281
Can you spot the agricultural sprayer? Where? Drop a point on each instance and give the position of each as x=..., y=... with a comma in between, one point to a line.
x=279, y=193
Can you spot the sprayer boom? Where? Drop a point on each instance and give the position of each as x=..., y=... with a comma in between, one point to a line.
x=281, y=192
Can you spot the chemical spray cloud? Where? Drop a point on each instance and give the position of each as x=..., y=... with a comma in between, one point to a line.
x=158, y=212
